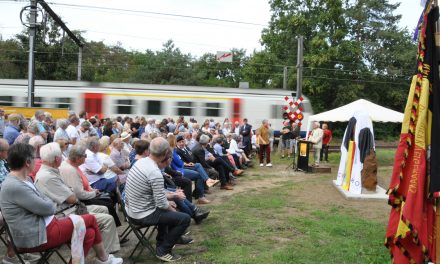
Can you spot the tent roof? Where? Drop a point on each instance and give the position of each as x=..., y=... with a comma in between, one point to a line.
x=376, y=112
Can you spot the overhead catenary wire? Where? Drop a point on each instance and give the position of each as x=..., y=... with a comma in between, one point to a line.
x=348, y=72
x=101, y=8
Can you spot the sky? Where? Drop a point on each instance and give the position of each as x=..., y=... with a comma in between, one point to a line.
x=141, y=31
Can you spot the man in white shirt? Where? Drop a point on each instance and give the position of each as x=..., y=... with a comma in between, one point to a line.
x=71, y=130
x=316, y=138
x=95, y=169
x=84, y=130
x=237, y=128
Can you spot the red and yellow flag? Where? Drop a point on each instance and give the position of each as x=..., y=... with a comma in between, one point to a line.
x=410, y=234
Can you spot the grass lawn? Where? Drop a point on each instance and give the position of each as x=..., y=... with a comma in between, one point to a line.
x=279, y=216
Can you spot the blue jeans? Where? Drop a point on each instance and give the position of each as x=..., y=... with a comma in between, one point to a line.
x=185, y=206
x=103, y=184
x=200, y=183
x=199, y=168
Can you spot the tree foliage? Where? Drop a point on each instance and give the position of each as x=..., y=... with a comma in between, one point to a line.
x=352, y=49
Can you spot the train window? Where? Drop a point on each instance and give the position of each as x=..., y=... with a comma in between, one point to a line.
x=213, y=109
x=6, y=100
x=277, y=111
x=63, y=102
x=184, y=108
x=153, y=107
x=124, y=106
x=38, y=101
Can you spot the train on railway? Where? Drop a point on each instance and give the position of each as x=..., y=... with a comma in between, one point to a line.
x=156, y=101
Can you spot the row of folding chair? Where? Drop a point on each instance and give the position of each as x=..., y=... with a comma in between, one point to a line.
x=142, y=233
x=44, y=255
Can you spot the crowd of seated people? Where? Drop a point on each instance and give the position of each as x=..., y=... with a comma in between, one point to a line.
x=56, y=168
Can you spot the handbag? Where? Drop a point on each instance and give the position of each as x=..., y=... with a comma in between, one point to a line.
x=81, y=209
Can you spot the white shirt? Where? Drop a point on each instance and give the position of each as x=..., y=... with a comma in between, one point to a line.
x=83, y=135
x=72, y=132
x=92, y=165
x=107, y=161
x=60, y=134
x=233, y=147
x=237, y=131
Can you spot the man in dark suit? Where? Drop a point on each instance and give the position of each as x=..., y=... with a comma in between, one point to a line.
x=246, y=133
x=199, y=151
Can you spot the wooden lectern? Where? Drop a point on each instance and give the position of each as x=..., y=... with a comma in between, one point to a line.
x=303, y=154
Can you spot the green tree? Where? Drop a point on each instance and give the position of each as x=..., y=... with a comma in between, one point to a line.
x=352, y=49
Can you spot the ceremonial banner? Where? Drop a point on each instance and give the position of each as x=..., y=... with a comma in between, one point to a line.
x=410, y=234
x=349, y=165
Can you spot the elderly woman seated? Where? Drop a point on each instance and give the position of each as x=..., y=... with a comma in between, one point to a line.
x=30, y=215
x=74, y=177
x=120, y=162
x=32, y=130
x=36, y=142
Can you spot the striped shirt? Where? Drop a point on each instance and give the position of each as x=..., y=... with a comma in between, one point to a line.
x=144, y=190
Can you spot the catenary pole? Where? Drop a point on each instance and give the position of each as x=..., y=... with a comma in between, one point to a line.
x=31, y=61
x=80, y=53
x=299, y=67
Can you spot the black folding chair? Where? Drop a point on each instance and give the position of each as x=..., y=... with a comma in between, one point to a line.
x=3, y=233
x=45, y=255
x=143, y=233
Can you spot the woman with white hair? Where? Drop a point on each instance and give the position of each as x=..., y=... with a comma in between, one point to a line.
x=116, y=162
x=61, y=133
x=32, y=130
x=37, y=142
x=235, y=150
x=30, y=214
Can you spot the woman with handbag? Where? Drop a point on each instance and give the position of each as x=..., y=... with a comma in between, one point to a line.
x=75, y=178
x=30, y=215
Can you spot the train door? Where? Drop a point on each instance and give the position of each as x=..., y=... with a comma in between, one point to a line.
x=236, y=110
x=93, y=104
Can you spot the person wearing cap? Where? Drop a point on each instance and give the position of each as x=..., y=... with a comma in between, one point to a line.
x=127, y=149
x=191, y=171
x=12, y=130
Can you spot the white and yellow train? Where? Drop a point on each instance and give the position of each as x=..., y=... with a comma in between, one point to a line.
x=156, y=101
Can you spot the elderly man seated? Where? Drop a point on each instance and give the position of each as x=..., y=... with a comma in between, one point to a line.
x=95, y=169
x=50, y=183
x=147, y=203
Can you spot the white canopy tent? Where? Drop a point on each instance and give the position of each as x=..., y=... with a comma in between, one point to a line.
x=376, y=112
